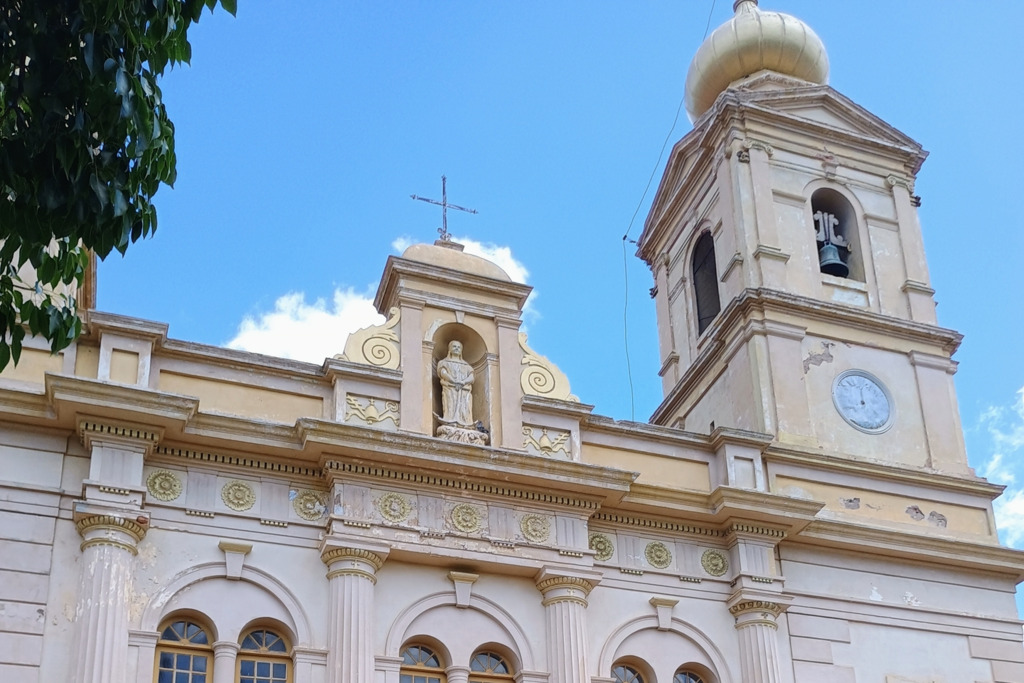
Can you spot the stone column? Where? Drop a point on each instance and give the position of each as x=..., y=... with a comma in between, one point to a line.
x=351, y=574
x=457, y=674
x=109, y=542
x=224, y=654
x=565, y=603
x=759, y=643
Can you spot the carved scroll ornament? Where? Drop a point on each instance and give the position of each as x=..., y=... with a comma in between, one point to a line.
x=541, y=377
x=375, y=345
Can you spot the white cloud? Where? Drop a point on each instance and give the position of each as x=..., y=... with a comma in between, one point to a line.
x=1004, y=428
x=306, y=331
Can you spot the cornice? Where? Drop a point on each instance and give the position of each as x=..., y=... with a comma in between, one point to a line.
x=763, y=301
x=873, y=469
x=436, y=457
x=91, y=429
x=398, y=268
x=922, y=547
x=599, y=424
x=99, y=322
x=570, y=409
x=71, y=395
x=243, y=461
x=250, y=363
x=335, y=368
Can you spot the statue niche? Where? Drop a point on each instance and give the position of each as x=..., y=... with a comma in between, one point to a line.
x=456, y=379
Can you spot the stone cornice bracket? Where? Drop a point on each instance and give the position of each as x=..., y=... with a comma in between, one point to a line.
x=352, y=562
x=93, y=429
x=738, y=530
x=752, y=143
x=113, y=530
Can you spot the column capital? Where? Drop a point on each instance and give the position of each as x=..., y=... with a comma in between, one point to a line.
x=352, y=561
x=102, y=526
x=757, y=612
x=565, y=589
x=223, y=647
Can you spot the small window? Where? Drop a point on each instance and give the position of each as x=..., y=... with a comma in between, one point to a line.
x=264, y=658
x=835, y=234
x=705, y=281
x=488, y=667
x=624, y=673
x=420, y=665
x=685, y=676
x=183, y=653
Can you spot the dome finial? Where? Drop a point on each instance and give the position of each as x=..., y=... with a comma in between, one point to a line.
x=753, y=40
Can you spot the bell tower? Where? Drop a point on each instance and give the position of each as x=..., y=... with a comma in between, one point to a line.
x=791, y=285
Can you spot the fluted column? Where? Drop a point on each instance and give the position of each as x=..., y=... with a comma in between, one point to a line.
x=109, y=545
x=756, y=622
x=457, y=674
x=565, y=603
x=225, y=652
x=351, y=575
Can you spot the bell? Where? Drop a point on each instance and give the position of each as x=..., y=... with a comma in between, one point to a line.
x=829, y=261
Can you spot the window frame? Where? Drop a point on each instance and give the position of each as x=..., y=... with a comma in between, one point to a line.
x=184, y=647
x=488, y=675
x=430, y=674
x=264, y=654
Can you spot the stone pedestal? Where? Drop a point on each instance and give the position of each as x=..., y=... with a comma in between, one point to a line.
x=108, y=550
x=759, y=644
x=351, y=573
x=565, y=603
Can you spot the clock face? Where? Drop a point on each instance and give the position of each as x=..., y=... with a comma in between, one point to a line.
x=863, y=401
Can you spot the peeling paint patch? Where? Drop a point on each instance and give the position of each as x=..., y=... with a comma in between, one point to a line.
x=915, y=512
x=850, y=503
x=937, y=519
x=911, y=600
x=875, y=595
x=823, y=356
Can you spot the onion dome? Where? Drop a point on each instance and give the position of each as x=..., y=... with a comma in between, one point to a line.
x=751, y=41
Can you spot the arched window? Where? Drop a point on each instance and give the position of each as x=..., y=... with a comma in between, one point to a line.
x=705, y=281
x=488, y=667
x=264, y=657
x=687, y=676
x=183, y=653
x=421, y=665
x=623, y=673
x=835, y=233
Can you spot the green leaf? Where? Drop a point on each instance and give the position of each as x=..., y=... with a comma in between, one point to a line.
x=230, y=6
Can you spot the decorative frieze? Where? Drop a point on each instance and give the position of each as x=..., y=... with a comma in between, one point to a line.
x=602, y=546
x=238, y=495
x=714, y=562
x=465, y=518
x=365, y=411
x=546, y=442
x=308, y=504
x=535, y=528
x=164, y=485
x=658, y=555
x=393, y=507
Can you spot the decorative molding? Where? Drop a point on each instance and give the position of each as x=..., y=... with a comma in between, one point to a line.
x=576, y=582
x=753, y=143
x=714, y=562
x=895, y=180
x=658, y=555
x=274, y=522
x=772, y=608
x=541, y=377
x=91, y=428
x=602, y=546
x=751, y=529
x=545, y=445
x=238, y=495
x=199, y=513
x=251, y=463
x=357, y=562
x=310, y=505
x=535, y=528
x=110, y=523
x=644, y=523
x=465, y=518
x=337, y=554
x=363, y=410
x=377, y=345
x=458, y=484
x=163, y=485
x=393, y=507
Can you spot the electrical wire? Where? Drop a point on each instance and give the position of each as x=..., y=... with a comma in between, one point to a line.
x=629, y=228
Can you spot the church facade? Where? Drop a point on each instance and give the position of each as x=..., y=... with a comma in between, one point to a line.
x=434, y=504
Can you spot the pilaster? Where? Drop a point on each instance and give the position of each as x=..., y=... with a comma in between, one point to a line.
x=351, y=575
x=757, y=627
x=565, y=605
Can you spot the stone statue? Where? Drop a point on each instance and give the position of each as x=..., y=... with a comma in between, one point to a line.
x=456, y=377
x=456, y=418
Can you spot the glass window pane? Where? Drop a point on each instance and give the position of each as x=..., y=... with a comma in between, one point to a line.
x=198, y=678
x=262, y=668
x=248, y=667
x=250, y=643
x=404, y=678
x=199, y=663
x=165, y=677
x=248, y=680
x=279, y=670
x=182, y=662
x=200, y=638
x=166, y=660
x=181, y=677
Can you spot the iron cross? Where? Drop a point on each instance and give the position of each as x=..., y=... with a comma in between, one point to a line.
x=443, y=230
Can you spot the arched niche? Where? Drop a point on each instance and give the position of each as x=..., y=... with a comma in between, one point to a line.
x=474, y=352
x=834, y=220
x=229, y=606
x=460, y=632
x=704, y=274
x=662, y=652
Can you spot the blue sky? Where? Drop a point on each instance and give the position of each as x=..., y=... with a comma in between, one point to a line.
x=302, y=129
